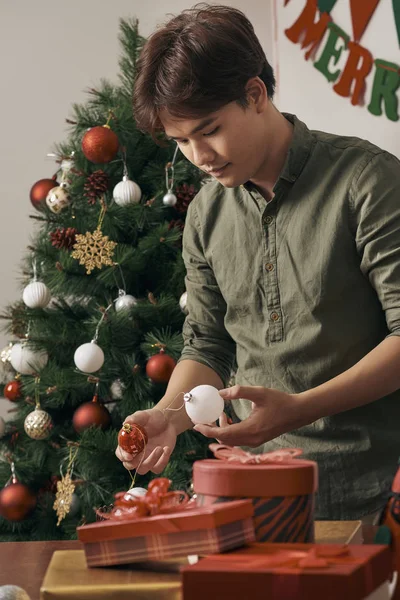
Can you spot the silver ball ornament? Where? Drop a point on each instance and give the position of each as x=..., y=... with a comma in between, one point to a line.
x=183, y=303
x=125, y=301
x=170, y=199
x=38, y=424
x=58, y=198
x=89, y=357
x=36, y=295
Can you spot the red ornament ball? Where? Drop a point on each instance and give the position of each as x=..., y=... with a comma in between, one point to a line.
x=16, y=501
x=159, y=367
x=91, y=414
x=100, y=144
x=12, y=390
x=39, y=191
x=132, y=438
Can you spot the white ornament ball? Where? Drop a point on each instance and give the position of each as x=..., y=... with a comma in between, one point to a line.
x=170, y=199
x=36, y=295
x=125, y=301
x=13, y=592
x=127, y=192
x=136, y=492
x=203, y=404
x=183, y=303
x=89, y=357
x=58, y=198
x=2, y=427
x=27, y=360
x=117, y=389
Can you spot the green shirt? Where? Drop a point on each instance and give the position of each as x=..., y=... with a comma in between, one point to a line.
x=294, y=291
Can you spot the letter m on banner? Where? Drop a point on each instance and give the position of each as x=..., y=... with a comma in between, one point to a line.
x=307, y=29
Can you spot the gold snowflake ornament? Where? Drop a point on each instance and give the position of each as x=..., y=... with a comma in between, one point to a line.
x=62, y=504
x=93, y=250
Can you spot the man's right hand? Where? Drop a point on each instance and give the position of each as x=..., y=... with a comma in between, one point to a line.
x=161, y=442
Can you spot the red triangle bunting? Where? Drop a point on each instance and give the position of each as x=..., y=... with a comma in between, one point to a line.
x=361, y=13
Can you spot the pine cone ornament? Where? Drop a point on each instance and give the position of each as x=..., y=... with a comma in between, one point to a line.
x=96, y=185
x=184, y=194
x=64, y=237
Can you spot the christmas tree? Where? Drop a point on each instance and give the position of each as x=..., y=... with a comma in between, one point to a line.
x=98, y=329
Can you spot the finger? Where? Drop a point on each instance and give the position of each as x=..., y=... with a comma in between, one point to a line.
x=163, y=461
x=122, y=455
x=239, y=434
x=255, y=393
x=140, y=417
x=150, y=460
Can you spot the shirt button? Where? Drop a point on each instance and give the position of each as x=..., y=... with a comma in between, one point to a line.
x=268, y=220
x=269, y=266
x=274, y=316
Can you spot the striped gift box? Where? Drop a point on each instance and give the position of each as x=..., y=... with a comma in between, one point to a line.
x=199, y=530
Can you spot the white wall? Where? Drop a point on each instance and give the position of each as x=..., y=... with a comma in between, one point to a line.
x=303, y=90
x=50, y=52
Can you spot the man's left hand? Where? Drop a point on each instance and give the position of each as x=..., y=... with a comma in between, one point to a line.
x=273, y=414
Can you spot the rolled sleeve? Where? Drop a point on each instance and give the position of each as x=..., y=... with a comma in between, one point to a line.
x=205, y=337
x=375, y=199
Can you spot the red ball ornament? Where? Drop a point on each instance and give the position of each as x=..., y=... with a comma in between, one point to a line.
x=39, y=191
x=12, y=390
x=100, y=144
x=159, y=367
x=132, y=438
x=16, y=501
x=91, y=414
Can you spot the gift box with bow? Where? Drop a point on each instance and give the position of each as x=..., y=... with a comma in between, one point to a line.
x=162, y=525
x=292, y=572
x=280, y=485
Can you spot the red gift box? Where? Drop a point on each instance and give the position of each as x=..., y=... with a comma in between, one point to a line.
x=194, y=530
x=280, y=485
x=290, y=572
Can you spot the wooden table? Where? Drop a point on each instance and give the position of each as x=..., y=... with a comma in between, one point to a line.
x=24, y=563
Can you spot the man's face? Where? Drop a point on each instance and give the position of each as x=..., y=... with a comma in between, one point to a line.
x=229, y=144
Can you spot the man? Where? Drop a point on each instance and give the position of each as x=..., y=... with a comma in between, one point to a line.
x=293, y=267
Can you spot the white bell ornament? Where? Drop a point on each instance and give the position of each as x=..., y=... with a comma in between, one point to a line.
x=127, y=192
x=203, y=404
x=89, y=357
x=36, y=295
x=27, y=360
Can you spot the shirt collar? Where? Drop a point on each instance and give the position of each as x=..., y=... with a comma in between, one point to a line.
x=299, y=150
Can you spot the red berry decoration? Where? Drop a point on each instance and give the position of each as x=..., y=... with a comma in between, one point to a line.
x=159, y=367
x=16, y=502
x=39, y=191
x=100, y=144
x=12, y=390
x=91, y=414
x=132, y=438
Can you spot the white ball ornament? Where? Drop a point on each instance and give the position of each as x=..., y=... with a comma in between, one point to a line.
x=136, y=492
x=127, y=192
x=203, y=404
x=27, y=360
x=58, y=198
x=36, y=295
x=2, y=427
x=183, y=303
x=125, y=301
x=89, y=357
x=170, y=199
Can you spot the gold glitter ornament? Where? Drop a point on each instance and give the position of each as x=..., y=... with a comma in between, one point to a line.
x=62, y=504
x=94, y=250
x=65, y=489
x=38, y=424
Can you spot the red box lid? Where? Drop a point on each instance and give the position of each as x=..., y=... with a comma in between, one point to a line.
x=220, y=478
x=191, y=519
x=353, y=575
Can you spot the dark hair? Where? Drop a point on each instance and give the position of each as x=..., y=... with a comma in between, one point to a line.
x=196, y=63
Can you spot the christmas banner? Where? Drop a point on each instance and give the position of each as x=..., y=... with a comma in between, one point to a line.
x=338, y=66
